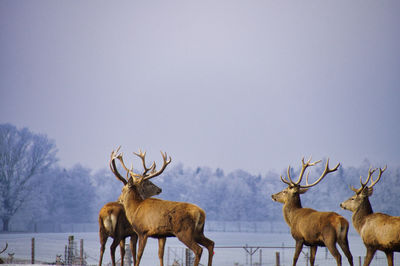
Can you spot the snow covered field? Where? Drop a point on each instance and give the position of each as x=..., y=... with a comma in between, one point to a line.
x=229, y=249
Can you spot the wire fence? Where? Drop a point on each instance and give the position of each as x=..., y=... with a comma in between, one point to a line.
x=83, y=249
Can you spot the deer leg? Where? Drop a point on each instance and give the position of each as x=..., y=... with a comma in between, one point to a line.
x=335, y=252
x=113, y=246
x=389, y=256
x=122, y=250
x=161, y=246
x=370, y=254
x=344, y=245
x=133, y=242
x=299, y=247
x=209, y=244
x=313, y=251
x=103, y=241
x=142, y=244
x=188, y=239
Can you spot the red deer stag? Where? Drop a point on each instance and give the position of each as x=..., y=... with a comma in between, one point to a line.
x=113, y=222
x=310, y=227
x=378, y=231
x=160, y=218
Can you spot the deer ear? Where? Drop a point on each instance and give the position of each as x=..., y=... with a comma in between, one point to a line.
x=131, y=182
x=303, y=190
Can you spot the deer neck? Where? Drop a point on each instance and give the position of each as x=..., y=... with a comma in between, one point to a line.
x=360, y=215
x=131, y=200
x=293, y=204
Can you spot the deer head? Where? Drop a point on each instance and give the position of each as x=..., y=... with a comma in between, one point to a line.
x=139, y=182
x=362, y=193
x=294, y=189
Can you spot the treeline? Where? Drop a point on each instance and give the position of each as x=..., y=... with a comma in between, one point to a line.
x=75, y=195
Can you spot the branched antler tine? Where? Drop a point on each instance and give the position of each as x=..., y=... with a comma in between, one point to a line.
x=326, y=171
x=159, y=172
x=289, y=177
x=285, y=181
x=303, y=169
x=113, y=166
x=354, y=189
x=122, y=162
x=370, y=173
x=142, y=156
x=379, y=176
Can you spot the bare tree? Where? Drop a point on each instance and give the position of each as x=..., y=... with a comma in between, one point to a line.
x=23, y=155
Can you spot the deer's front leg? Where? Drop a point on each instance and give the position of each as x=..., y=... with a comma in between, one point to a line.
x=142, y=244
x=299, y=247
x=161, y=247
x=370, y=254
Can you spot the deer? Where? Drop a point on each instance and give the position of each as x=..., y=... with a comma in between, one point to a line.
x=159, y=218
x=378, y=231
x=113, y=222
x=310, y=227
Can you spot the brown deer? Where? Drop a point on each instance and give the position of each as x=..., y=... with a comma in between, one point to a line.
x=161, y=218
x=113, y=222
x=378, y=231
x=310, y=227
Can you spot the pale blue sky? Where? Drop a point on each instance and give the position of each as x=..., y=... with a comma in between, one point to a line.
x=233, y=84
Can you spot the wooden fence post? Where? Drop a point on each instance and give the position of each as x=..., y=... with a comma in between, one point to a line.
x=33, y=251
x=277, y=259
x=81, y=252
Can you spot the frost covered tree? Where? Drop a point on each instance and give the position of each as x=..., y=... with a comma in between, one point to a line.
x=23, y=157
x=72, y=199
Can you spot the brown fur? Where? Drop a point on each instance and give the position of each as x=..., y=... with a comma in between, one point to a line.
x=113, y=223
x=160, y=218
x=312, y=228
x=378, y=231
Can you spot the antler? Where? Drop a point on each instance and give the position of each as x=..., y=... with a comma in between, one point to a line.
x=4, y=248
x=326, y=171
x=113, y=167
x=129, y=172
x=142, y=156
x=378, y=178
x=369, y=177
x=303, y=169
x=155, y=173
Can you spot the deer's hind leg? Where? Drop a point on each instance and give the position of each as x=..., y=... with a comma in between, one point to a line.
x=113, y=246
x=209, y=244
x=187, y=238
x=103, y=241
x=344, y=245
x=331, y=245
x=389, y=256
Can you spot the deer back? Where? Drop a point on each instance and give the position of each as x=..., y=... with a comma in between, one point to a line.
x=381, y=230
x=314, y=226
x=159, y=217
